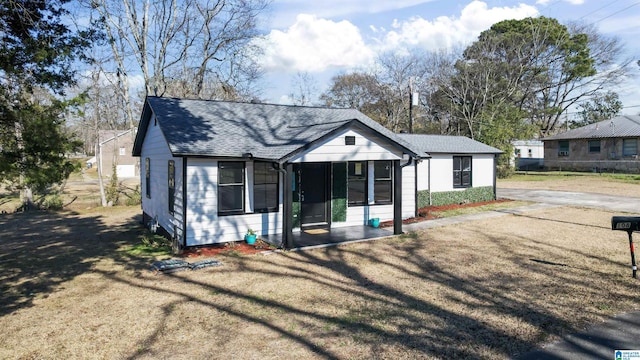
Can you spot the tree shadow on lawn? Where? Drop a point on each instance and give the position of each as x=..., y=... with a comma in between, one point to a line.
x=41, y=250
x=419, y=325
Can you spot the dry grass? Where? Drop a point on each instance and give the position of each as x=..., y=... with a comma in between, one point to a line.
x=486, y=289
x=599, y=184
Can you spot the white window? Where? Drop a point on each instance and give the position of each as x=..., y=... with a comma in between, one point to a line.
x=123, y=151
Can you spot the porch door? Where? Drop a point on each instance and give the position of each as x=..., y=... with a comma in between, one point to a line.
x=314, y=193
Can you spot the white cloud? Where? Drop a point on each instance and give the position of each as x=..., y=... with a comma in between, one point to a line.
x=313, y=44
x=286, y=11
x=445, y=32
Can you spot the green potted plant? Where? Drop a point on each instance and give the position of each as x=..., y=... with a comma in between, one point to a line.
x=250, y=237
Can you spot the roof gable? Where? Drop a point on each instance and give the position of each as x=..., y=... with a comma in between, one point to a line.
x=617, y=127
x=232, y=129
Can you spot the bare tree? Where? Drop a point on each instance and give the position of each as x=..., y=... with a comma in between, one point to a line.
x=305, y=87
x=207, y=40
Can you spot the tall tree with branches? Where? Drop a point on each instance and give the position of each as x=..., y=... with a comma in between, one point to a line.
x=37, y=54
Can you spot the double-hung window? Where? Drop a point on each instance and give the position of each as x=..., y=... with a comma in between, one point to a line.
x=265, y=187
x=172, y=185
x=231, y=187
x=357, y=182
x=461, y=171
x=147, y=177
x=594, y=146
x=382, y=182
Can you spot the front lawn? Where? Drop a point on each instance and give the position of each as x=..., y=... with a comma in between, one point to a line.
x=493, y=288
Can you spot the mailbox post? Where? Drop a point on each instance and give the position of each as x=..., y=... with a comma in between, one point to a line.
x=628, y=224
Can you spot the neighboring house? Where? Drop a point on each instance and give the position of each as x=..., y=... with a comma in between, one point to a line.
x=115, y=147
x=609, y=145
x=455, y=169
x=211, y=170
x=528, y=154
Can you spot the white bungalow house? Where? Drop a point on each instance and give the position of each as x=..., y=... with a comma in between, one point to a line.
x=211, y=170
x=454, y=169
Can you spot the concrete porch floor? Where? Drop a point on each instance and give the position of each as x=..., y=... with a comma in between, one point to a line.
x=318, y=237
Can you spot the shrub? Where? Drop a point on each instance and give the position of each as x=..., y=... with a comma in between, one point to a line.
x=134, y=198
x=113, y=191
x=52, y=202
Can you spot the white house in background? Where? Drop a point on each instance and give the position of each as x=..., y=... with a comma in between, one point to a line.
x=211, y=170
x=528, y=154
x=455, y=169
x=115, y=147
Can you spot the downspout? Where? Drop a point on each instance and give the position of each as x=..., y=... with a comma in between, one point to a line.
x=184, y=202
x=495, y=183
x=429, y=180
x=415, y=180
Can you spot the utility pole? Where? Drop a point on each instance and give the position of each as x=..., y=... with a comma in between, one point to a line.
x=413, y=100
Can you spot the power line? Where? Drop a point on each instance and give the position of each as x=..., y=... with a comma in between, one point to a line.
x=617, y=12
x=598, y=9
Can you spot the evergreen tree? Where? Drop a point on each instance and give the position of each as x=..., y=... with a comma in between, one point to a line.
x=37, y=54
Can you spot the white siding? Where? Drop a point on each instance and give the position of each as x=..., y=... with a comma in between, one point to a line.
x=441, y=173
x=335, y=150
x=423, y=175
x=409, y=191
x=204, y=225
x=482, y=170
x=156, y=149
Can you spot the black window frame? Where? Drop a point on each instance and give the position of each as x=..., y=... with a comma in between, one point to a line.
x=266, y=180
x=353, y=178
x=147, y=177
x=591, y=145
x=235, y=165
x=563, y=146
x=382, y=178
x=459, y=174
x=171, y=183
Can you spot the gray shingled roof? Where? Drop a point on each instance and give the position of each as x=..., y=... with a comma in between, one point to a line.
x=446, y=144
x=231, y=129
x=618, y=127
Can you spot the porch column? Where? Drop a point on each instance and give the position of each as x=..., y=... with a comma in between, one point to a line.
x=287, y=208
x=397, y=197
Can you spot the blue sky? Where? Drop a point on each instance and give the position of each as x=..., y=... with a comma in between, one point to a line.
x=324, y=38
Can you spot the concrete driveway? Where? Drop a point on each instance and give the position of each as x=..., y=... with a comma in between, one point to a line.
x=629, y=204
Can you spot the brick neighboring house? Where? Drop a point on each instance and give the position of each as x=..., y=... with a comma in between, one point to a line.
x=116, y=146
x=609, y=145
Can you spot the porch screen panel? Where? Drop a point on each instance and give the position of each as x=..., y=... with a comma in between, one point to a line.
x=357, y=183
x=339, y=192
x=230, y=187
x=382, y=185
x=265, y=187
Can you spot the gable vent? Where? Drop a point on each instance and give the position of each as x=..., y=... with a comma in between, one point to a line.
x=349, y=140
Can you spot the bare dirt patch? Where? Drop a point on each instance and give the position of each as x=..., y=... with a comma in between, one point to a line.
x=485, y=289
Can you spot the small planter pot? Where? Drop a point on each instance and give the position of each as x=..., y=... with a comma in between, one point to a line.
x=250, y=239
x=375, y=222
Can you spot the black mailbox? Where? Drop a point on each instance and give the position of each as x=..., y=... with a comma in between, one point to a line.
x=625, y=223
x=628, y=224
